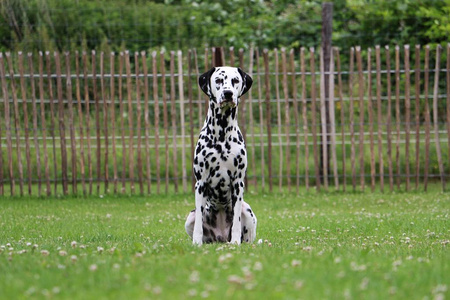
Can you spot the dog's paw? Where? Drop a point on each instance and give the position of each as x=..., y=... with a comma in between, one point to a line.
x=197, y=241
x=235, y=242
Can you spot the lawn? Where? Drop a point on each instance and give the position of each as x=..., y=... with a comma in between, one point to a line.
x=314, y=246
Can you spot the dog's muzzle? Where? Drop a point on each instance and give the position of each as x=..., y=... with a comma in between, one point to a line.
x=227, y=100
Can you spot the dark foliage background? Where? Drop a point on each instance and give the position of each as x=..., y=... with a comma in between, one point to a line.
x=112, y=25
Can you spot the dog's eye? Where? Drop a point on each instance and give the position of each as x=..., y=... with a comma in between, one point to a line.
x=219, y=81
x=234, y=81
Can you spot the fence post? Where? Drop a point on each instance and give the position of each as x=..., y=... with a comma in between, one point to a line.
x=327, y=31
x=217, y=59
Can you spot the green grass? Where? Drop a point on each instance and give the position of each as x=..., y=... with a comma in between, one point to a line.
x=315, y=246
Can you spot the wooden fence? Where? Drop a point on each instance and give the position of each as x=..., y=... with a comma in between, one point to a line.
x=96, y=123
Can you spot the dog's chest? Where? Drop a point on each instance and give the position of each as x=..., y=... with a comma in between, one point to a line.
x=217, y=163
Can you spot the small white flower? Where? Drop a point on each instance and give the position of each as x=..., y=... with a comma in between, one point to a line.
x=73, y=244
x=62, y=253
x=194, y=277
x=45, y=252
x=100, y=249
x=157, y=290
x=93, y=268
x=235, y=279
x=258, y=266
x=296, y=263
x=74, y=258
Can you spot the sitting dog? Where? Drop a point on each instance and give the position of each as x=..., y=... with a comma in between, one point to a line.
x=220, y=163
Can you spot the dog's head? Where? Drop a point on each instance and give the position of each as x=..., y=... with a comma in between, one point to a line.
x=225, y=85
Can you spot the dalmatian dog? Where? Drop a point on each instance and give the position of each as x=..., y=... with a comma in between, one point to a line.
x=220, y=163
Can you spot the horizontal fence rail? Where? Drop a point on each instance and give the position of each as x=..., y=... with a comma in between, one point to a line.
x=96, y=123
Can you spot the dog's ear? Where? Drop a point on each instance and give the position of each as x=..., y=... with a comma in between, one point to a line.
x=247, y=81
x=205, y=81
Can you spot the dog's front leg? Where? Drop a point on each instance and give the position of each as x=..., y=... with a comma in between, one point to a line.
x=200, y=203
x=237, y=197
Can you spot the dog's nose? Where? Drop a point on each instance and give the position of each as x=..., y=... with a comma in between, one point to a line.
x=228, y=95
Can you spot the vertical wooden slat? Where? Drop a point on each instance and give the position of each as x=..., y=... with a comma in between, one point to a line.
x=323, y=122
x=222, y=53
x=417, y=111
x=305, y=115
x=2, y=189
x=268, y=114
x=296, y=120
x=313, y=113
x=206, y=60
x=35, y=124
x=73, y=146
x=173, y=114
x=342, y=115
x=43, y=124
x=87, y=113
x=191, y=117
x=435, y=116
x=112, y=99
x=165, y=119
x=199, y=92
x=370, y=110
x=97, y=119
x=80, y=124
x=231, y=51
x=122, y=122
x=25, y=121
x=286, y=116
x=332, y=116
x=7, y=125
x=251, y=121
x=279, y=126
x=352, y=118
x=379, y=117
x=130, y=122
x=105, y=121
x=242, y=112
x=138, y=121
x=427, y=117
x=361, y=116
x=407, y=113
x=17, y=118
x=147, y=117
x=261, y=121
x=241, y=57
x=182, y=121
x=62, y=125
x=156, y=109
x=389, y=119
x=397, y=111
x=448, y=100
